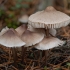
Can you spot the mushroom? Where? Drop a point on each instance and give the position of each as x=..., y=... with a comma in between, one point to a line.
x=31, y=38
x=24, y=19
x=21, y=29
x=48, y=43
x=11, y=39
x=49, y=19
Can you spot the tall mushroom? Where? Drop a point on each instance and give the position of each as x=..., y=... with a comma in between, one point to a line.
x=11, y=39
x=49, y=18
x=21, y=29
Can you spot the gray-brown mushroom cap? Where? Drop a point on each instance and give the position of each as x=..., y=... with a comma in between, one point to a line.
x=11, y=39
x=24, y=19
x=21, y=29
x=31, y=38
x=48, y=43
x=49, y=18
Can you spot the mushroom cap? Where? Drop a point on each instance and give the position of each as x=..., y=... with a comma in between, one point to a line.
x=49, y=18
x=21, y=29
x=24, y=19
x=4, y=30
x=48, y=43
x=11, y=39
x=31, y=38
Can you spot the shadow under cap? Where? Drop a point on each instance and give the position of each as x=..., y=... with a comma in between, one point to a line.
x=31, y=38
x=39, y=30
x=11, y=39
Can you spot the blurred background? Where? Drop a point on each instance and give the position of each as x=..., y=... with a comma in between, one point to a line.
x=12, y=10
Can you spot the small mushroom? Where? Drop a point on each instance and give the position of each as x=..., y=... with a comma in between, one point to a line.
x=30, y=38
x=49, y=19
x=24, y=19
x=21, y=29
x=48, y=43
x=11, y=39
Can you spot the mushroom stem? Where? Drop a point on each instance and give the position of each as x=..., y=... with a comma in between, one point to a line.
x=23, y=53
x=46, y=56
x=14, y=52
x=9, y=54
x=40, y=55
x=47, y=32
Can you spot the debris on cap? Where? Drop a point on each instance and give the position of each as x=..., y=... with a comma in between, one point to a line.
x=48, y=43
x=49, y=18
x=31, y=38
x=11, y=39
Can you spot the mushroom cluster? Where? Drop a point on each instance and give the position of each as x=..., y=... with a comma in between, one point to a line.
x=40, y=32
x=49, y=19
